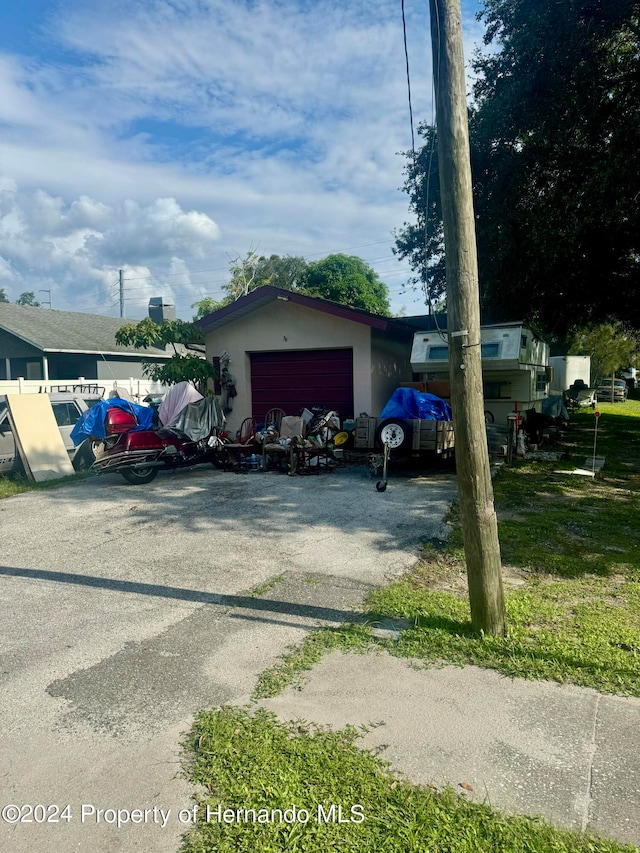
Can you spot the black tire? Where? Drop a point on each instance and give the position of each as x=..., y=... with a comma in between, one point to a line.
x=84, y=457
x=488, y=417
x=395, y=432
x=220, y=461
x=381, y=486
x=139, y=476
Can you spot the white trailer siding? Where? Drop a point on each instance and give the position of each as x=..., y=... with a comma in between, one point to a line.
x=568, y=368
x=515, y=370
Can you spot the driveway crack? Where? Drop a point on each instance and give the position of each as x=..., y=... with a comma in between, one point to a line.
x=586, y=820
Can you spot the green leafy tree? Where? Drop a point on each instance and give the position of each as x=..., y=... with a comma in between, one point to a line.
x=556, y=134
x=421, y=241
x=339, y=278
x=3, y=295
x=28, y=298
x=349, y=280
x=612, y=348
x=254, y=270
x=555, y=131
x=285, y=271
x=205, y=306
x=181, y=367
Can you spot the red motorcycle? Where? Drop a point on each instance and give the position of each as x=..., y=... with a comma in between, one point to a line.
x=195, y=437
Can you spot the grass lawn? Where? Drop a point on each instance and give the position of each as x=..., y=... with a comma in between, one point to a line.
x=253, y=765
x=16, y=484
x=571, y=560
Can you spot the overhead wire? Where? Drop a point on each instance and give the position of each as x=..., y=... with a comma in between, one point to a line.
x=414, y=157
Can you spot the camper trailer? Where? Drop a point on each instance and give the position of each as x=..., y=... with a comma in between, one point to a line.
x=515, y=366
x=569, y=368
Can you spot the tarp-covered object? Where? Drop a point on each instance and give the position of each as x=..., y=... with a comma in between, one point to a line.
x=175, y=400
x=198, y=420
x=411, y=404
x=91, y=422
x=554, y=407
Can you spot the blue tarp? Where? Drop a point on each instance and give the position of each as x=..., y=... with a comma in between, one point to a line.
x=409, y=404
x=91, y=422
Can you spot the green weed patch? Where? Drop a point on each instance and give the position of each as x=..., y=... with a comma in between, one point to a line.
x=283, y=787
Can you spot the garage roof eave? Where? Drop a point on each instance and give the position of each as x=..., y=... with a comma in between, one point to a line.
x=268, y=293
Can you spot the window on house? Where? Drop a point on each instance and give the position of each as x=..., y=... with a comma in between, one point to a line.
x=34, y=370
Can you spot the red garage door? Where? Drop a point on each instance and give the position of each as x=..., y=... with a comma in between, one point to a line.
x=293, y=380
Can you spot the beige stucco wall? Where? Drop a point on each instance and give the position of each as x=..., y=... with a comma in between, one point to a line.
x=285, y=326
x=390, y=365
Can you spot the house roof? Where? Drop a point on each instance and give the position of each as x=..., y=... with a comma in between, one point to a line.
x=268, y=293
x=68, y=331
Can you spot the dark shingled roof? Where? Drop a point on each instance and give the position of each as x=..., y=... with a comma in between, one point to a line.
x=68, y=331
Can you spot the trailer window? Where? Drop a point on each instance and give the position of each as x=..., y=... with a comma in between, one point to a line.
x=490, y=350
x=438, y=353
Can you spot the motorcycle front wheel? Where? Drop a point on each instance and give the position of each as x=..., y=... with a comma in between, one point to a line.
x=139, y=475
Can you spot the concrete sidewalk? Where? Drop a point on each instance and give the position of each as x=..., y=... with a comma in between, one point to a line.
x=529, y=747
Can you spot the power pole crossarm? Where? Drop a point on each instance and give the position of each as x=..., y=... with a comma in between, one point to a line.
x=478, y=518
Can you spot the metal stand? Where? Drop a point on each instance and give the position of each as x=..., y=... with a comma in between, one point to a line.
x=381, y=485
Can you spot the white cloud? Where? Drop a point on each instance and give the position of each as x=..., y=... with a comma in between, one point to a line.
x=162, y=136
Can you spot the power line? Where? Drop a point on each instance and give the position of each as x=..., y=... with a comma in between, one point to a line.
x=226, y=269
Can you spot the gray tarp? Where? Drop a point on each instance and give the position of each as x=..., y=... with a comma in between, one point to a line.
x=197, y=420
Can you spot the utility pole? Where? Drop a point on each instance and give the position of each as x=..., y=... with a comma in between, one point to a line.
x=121, y=280
x=478, y=518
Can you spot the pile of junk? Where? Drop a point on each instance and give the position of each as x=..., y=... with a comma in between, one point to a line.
x=297, y=444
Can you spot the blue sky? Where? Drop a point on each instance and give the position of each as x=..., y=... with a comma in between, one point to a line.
x=166, y=138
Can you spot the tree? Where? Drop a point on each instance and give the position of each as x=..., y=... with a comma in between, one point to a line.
x=555, y=130
x=205, y=306
x=28, y=298
x=349, y=280
x=612, y=348
x=340, y=278
x=253, y=271
x=182, y=367
x=3, y=295
x=422, y=242
x=243, y=275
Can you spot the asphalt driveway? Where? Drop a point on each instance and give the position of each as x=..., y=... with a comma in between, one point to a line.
x=127, y=608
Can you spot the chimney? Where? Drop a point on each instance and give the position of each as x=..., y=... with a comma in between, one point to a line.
x=160, y=310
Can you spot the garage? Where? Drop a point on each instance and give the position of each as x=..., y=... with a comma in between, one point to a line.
x=291, y=350
x=292, y=380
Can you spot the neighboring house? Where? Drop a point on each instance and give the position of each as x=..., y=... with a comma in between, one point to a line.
x=41, y=344
x=291, y=350
x=515, y=364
